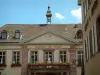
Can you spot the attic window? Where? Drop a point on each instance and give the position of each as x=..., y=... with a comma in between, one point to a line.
x=17, y=34
x=79, y=34
x=4, y=35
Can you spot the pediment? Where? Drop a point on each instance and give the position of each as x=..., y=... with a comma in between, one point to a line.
x=49, y=38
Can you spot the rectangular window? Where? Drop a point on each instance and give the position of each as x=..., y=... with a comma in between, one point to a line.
x=80, y=57
x=63, y=56
x=34, y=56
x=2, y=57
x=48, y=56
x=17, y=36
x=4, y=35
x=16, y=57
x=91, y=41
x=88, y=47
x=86, y=50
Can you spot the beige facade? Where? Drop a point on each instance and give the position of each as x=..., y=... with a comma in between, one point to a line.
x=91, y=30
x=22, y=47
x=9, y=70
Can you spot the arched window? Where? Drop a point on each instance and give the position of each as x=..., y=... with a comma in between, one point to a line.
x=79, y=34
x=4, y=35
x=17, y=34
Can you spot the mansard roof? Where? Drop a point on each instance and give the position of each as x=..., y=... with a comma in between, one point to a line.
x=29, y=31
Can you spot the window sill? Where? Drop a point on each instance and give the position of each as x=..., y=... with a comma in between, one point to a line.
x=15, y=65
x=3, y=65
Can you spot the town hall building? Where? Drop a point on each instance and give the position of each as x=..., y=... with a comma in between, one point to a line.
x=41, y=49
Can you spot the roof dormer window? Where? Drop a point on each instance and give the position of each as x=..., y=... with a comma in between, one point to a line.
x=17, y=34
x=79, y=34
x=4, y=35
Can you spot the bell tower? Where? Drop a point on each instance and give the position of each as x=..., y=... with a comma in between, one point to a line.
x=48, y=15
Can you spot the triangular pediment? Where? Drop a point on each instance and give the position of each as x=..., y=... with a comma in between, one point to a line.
x=49, y=38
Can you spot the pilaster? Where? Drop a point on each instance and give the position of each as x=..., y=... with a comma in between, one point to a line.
x=24, y=60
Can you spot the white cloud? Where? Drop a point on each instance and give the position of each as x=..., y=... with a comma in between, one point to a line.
x=77, y=14
x=58, y=15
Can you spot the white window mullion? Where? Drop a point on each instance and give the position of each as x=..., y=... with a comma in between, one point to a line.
x=48, y=56
x=68, y=56
x=2, y=57
x=15, y=57
x=34, y=57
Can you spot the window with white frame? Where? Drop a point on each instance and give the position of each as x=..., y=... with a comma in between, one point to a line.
x=2, y=57
x=63, y=56
x=34, y=56
x=4, y=35
x=16, y=57
x=17, y=34
x=80, y=57
x=48, y=56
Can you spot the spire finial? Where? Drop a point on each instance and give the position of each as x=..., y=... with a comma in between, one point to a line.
x=49, y=15
x=49, y=7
